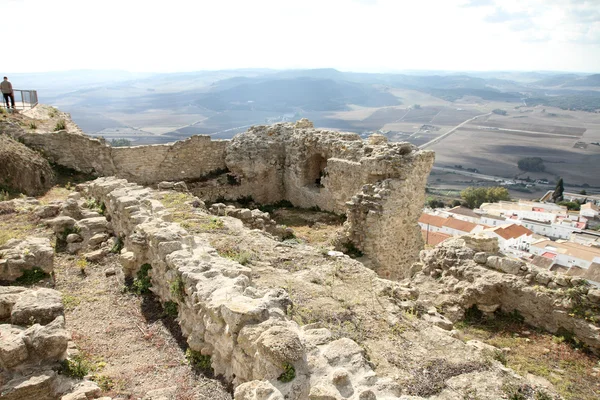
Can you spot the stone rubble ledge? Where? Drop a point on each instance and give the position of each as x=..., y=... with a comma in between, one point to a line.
x=18, y=256
x=254, y=219
x=32, y=344
x=471, y=272
x=244, y=329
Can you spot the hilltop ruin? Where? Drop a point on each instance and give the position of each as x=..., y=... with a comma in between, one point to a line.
x=275, y=316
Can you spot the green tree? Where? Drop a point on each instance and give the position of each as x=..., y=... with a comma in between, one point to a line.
x=534, y=164
x=558, y=191
x=474, y=197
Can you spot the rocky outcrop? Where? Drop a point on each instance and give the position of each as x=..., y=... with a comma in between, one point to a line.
x=23, y=170
x=465, y=272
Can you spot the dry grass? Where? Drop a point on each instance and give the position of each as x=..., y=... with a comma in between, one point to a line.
x=17, y=226
x=574, y=374
x=190, y=219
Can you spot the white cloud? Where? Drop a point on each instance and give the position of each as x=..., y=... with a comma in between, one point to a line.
x=367, y=35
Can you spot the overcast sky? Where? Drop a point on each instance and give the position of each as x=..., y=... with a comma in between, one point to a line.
x=351, y=35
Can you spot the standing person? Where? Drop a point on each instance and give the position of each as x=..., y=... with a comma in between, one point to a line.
x=7, y=91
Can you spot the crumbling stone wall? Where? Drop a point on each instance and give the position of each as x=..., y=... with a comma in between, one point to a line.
x=467, y=271
x=313, y=167
x=296, y=162
x=243, y=328
x=186, y=159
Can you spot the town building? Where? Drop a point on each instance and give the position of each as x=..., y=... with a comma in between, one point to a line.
x=566, y=254
x=513, y=238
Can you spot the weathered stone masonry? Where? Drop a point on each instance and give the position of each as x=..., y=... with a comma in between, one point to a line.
x=243, y=328
x=308, y=167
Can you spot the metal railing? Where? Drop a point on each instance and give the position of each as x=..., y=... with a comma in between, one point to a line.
x=24, y=99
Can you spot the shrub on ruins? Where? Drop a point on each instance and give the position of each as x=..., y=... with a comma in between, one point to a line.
x=177, y=288
x=474, y=197
x=571, y=205
x=75, y=367
x=171, y=309
x=142, y=283
x=199, y=361
x=533, y=164
x=288, y=374
x=60, y=125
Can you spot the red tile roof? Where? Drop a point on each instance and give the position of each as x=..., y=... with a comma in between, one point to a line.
x=460, y=225
x=434, y=238
x=432, y=220
x=511, y=231
x=549, y=255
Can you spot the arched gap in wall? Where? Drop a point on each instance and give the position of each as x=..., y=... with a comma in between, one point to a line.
x=314, y=170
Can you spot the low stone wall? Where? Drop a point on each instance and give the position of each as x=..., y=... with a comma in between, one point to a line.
x=469, y=272
x=187, y=159
x=244, y=329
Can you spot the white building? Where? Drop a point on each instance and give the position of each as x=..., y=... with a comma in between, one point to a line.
x=589, y=210
x=524, y=209
x=511, y=237
x=494, y=220
x=562, y=229
x=567, y=254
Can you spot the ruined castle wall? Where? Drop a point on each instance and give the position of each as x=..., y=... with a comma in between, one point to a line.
x=187, y=159
x=470, y=269
x=243, y=328
x=76, y=151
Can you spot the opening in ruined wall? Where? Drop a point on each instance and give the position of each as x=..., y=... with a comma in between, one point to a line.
x=314, y=171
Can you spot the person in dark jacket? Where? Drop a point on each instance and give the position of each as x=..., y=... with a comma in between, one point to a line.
x=7, y=91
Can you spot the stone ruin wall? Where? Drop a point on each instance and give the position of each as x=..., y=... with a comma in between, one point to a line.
x=183, y=160
x=295, y=162
x=468, y=271
x=244, y=329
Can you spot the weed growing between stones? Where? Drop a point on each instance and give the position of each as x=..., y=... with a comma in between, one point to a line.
x=75, y=367
x=171, y=309
x=288, y=374
x=82, y=264
x=118, y=246
x=199, y=361
x=31, y=276
x=61, y=125
x=177, y=288
x=70, y=302
x=235, y=254
x=142, y=283
x=104, y=382
x=94, y=205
